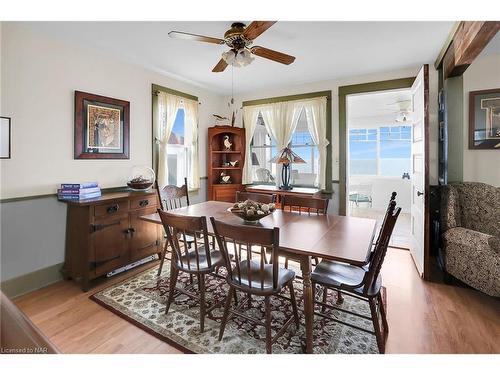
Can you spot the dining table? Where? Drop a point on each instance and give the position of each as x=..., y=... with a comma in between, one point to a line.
x=302, y=236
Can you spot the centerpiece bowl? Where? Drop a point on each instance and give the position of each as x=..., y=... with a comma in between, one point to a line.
x=251, y=212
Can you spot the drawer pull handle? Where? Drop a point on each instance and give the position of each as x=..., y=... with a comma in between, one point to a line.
x=112, y=209
x=144, y=203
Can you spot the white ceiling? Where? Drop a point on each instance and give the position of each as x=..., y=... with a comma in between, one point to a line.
x=324, y=50
x=380, y=104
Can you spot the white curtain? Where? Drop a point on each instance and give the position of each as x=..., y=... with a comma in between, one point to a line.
x=250, y=115
x=168, y=106
x=316, y=123
x=281, y=121
x=191, y=141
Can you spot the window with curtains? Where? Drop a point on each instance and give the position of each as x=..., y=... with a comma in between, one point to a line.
x=177, y=151
x=263, y=148
x=175, y=142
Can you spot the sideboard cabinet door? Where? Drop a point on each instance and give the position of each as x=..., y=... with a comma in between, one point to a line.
x=145, y=237
x=110, y=241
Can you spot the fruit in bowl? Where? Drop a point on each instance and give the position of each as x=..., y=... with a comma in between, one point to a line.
x=251, y=211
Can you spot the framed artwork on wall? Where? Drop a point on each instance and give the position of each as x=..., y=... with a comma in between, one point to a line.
x=484, y=119
x=102, y=127
x=5, y=137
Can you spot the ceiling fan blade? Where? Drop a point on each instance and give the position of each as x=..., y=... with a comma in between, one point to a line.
x=198, y=38
x=273, y=55
x=256, y=28
x=221, y=65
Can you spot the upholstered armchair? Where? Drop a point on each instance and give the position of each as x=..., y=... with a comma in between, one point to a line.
x=470, y=218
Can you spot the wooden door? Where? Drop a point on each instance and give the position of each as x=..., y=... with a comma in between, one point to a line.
x=109, y=240
x=419, y=169
x=144, y=239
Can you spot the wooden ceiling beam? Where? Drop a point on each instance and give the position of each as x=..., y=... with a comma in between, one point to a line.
x=469, y=40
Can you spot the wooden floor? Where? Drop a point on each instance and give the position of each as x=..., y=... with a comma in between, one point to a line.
x=423, y=317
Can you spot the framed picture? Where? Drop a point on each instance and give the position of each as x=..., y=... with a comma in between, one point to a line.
x=484, y=119
x=102, y=127
x=5, y=136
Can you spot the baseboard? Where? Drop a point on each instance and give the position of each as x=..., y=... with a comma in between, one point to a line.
x=20, y=285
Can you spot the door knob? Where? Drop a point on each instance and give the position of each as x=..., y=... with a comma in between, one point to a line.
x=419, y=193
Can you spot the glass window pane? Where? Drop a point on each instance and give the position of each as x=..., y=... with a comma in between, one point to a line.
x=177, y=135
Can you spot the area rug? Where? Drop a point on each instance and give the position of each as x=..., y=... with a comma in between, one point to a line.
x=141, y=300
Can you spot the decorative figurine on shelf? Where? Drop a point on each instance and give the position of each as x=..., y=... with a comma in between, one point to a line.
x=220, y=120
x=227, y=143
x=233, y=163
x=224, y=178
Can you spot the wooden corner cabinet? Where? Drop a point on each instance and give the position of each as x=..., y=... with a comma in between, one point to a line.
x=106, y=233
x=221, y=161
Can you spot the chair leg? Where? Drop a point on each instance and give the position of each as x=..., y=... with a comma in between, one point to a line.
x=249, y=302
x=269, y=345
x=294, y=304
x=201, y=281
x=174, y=273
x=162, y=258
x=226, y=312
x=286, y=263
x=325, y=298
x=384, y=315
x=376, y=325
x=340, y=299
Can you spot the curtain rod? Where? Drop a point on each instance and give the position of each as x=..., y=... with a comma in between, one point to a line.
x=156, y=92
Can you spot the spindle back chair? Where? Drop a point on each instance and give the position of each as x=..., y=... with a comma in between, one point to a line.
x=360, y=282
x=198, y=259
x=254, y=276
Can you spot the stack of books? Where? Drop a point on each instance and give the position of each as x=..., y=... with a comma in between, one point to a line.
x=78, y=192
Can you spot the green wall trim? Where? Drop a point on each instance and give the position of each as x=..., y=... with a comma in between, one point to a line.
x=344, y=91
x=32, y=281
x=309, y=95
x=172, y=91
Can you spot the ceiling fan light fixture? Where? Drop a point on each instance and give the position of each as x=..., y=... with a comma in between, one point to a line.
x=239, y=58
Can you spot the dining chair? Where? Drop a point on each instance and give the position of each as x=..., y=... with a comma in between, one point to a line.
x=242, y=196
x=316, y=205
x=364, y=283
x=200, y=260
x=170, y=197
x=253, y=276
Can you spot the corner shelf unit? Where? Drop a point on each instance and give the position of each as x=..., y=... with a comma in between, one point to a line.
x=217, y=156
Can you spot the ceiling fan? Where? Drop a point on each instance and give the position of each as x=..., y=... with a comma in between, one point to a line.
x=239, y=38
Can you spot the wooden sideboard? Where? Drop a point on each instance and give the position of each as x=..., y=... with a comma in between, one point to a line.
x=106, y=233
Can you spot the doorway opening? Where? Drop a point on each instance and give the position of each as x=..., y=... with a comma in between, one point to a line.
x=379, y=156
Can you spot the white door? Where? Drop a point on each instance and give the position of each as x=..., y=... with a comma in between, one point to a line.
x=419, y=178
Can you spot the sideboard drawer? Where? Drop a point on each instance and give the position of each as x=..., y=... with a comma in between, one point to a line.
x=111, y=208
x=143, y=202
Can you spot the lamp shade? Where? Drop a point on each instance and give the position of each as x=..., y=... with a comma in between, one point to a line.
x=287, y=156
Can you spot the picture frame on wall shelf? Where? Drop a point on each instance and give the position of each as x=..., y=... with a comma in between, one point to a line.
x=484, y=119
x=102, y=127
x=5, y=137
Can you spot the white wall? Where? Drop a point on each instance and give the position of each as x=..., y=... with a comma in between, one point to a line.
x=480, y=165
x=39, y=77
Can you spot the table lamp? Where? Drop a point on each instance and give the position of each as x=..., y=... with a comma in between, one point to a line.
x=286, y=157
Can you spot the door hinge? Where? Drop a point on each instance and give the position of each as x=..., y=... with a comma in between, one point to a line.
x=96, y=227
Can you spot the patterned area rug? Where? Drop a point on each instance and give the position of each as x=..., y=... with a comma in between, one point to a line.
x=141, y=300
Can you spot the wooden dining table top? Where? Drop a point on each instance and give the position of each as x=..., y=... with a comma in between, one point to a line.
x=341, y=238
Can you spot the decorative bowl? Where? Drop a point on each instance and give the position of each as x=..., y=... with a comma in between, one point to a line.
x=251, y=212
x=141, y=178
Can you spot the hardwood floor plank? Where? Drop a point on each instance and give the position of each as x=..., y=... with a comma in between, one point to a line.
x=424, y=317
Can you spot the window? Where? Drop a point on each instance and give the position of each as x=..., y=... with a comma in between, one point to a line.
x=263, y=148
x=382, y=151
x=177, y=152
